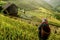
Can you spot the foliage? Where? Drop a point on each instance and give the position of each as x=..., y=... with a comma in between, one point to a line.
x=11, y=29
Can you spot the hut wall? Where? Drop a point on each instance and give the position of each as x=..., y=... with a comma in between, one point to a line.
x=12, y=10
x=1, y=8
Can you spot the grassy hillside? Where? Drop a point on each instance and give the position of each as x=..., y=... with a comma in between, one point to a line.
x=11, y=29
x=30, y=4
x=16, y=29
x=25, y=27
x=39, y=14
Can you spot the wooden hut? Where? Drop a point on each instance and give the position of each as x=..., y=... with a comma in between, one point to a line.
x=10, y=9
x=1, y=8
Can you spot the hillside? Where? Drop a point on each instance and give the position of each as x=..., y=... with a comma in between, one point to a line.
x=39, y=14
x=58, y=8
x=25, y=26
x=18, y=29
x=53, y=3
x=31, y=4
x=11, y=29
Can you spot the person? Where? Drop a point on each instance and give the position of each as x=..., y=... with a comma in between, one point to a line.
x=44, y=30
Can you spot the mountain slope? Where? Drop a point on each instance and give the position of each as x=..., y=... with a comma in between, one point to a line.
x=11, y=29
x=31, y=4
x=39, y=14
x=18, y=29
x=53, y=3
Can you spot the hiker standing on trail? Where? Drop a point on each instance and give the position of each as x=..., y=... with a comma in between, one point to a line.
x=44, y=30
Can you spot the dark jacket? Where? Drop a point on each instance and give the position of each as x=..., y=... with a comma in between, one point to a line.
x=45, y=27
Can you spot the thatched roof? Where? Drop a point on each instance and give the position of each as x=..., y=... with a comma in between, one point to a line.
x=7, y=5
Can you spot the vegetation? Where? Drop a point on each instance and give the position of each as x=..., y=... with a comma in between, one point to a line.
x=25, y=27
x=11, y=29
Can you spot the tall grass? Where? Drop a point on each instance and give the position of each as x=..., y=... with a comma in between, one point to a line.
x=11, y=29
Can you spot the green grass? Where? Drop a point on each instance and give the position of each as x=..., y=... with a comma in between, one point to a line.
x=38, y=15
x=11, y=29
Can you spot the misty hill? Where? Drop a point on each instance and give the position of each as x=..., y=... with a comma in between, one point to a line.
x=31, y=4
x=53, y=3
x=45, y=3
x=58, y=8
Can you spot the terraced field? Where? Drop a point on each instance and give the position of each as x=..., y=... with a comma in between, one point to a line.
x=11, y=29
x=25, y=27
x=21, y=29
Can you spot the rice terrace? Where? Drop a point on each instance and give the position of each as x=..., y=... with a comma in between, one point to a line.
x=21, y=19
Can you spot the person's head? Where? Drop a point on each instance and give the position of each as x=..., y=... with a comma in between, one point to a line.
x=44, y=20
